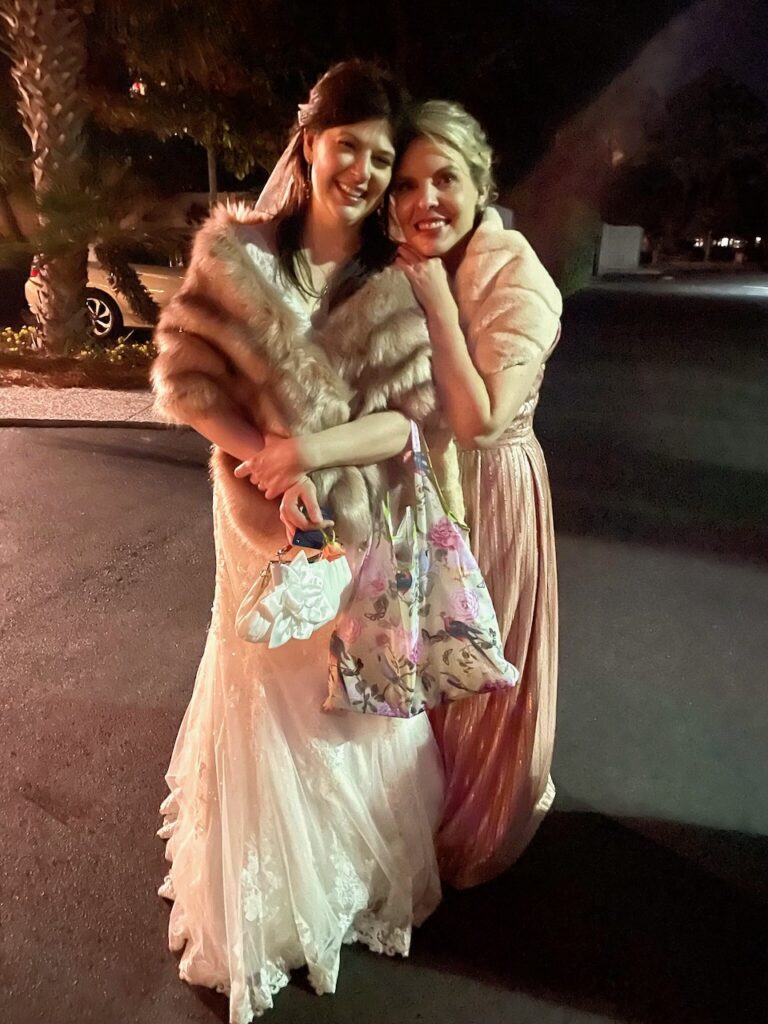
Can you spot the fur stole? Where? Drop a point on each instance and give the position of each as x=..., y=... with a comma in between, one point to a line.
x=232, y=339
x=509, y=306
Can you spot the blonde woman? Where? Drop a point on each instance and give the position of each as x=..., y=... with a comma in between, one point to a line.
x=493, y=316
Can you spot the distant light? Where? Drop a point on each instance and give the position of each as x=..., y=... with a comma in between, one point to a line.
x=724, y=241
x=699, y=243
x=758, y=240
x=138, y=88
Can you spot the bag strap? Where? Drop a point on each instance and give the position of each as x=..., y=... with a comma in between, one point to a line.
x=416, y=437
x=423, y=477
x=424, y=470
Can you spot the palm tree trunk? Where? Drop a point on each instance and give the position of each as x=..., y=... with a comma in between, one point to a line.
x=9, y=215
x=213, y=187
x=48, y=53
x=65, y=324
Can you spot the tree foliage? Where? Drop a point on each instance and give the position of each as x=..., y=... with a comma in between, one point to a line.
x=705, y=170
x=225, y=77
x=229, y=82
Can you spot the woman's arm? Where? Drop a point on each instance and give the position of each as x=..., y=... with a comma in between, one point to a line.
x=477, y=408
x=191, y=378
x=370, y=439
x=284, y=460
x=299, y=509
x=229, y=430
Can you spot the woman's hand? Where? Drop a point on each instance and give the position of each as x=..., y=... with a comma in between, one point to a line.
x=429, y=280
x=299, y=509
x=279, y=465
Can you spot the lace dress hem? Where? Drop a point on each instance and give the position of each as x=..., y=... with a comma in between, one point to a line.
x=364, y=925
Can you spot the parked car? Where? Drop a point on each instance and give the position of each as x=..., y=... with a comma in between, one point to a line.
x=108, y=309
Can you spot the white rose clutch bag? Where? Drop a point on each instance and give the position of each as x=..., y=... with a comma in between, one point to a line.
x=305, y=594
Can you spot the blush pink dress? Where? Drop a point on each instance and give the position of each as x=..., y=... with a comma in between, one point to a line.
x=497, y=748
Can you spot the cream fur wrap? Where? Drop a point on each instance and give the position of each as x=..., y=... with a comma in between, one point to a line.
x=229, y=340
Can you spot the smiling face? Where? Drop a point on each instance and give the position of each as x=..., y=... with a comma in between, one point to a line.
x=351, y=167
x=434, y=197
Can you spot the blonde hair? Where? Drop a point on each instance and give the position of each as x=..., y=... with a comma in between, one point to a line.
x=446, y=123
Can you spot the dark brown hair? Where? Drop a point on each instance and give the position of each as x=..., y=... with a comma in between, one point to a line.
x=348, y=93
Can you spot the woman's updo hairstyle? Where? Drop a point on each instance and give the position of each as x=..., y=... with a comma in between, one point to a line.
x=348, y=93
x=449, y=124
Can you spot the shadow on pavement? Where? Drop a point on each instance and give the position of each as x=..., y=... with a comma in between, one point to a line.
x=194, y=454
x=642, y=921
x=725, y=333
x=653, y=421
x=634, y=920
x=604, y=488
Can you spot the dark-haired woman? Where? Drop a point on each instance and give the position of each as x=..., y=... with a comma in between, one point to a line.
x=291, y=831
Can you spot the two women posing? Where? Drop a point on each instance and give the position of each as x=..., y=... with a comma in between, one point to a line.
x=302, y=351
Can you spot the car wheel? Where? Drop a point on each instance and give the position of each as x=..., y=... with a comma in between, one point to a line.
x=104, y=313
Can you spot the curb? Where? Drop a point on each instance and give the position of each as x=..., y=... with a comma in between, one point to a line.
x=22, y=421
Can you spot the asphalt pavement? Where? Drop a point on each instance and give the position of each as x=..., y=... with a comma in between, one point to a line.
x=643, y=898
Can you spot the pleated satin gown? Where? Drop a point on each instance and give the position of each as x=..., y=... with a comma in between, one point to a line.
x=497, y=748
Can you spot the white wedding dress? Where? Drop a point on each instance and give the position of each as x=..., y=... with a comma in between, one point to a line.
x=290, y=830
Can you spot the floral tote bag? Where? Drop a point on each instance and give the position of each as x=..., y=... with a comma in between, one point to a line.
x=419, y=629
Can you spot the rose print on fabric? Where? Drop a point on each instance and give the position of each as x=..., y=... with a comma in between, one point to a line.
x=420, y=628
x=444, y=534
x=464, y=604
x=376, y=586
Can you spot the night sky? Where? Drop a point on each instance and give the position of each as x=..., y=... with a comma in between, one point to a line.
x=734, y=36
x=530, y=66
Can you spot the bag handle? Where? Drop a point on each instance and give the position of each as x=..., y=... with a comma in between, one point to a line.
x=423, y=469
x=423, y=477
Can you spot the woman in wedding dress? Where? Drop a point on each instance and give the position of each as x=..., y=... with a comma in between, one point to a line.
x=292, y=831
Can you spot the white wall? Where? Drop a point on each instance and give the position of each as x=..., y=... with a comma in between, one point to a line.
x=619, y=248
